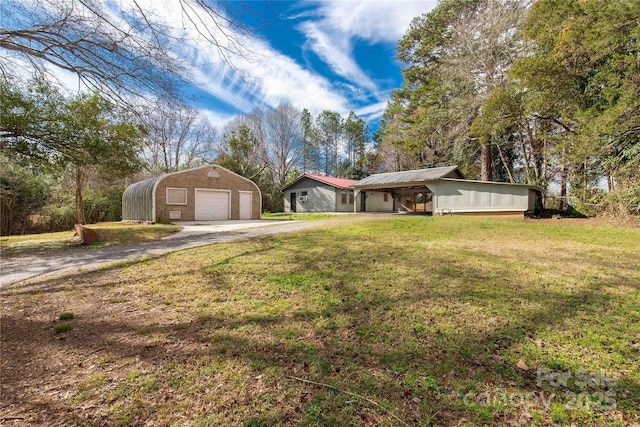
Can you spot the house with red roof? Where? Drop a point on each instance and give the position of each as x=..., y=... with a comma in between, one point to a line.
x=318, y=193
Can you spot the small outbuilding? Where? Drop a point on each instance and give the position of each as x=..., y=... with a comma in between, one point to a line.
x=317, y=193
x=207, y=193
x=443, y=190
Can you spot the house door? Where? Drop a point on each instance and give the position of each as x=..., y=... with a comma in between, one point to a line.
x=293, y=202
x=363, y=201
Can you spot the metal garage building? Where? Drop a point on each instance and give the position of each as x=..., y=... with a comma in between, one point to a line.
x=206, y=193
x=443, y=190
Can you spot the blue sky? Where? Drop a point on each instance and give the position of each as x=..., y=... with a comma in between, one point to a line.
x=336, y=55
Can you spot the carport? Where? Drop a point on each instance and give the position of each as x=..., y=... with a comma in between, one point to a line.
x=442, y=190
x=407, y=191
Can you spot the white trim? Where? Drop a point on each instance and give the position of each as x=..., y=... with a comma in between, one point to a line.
x=186, y=196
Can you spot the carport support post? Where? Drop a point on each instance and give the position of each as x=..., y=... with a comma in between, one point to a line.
x=356, y=193
x=434, y=198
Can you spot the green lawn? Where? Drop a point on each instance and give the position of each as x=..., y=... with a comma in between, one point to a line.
x=109, y=234
x=299, y=216
x=400, y=321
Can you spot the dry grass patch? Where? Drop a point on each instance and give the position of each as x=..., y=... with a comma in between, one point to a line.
x=109, y=234
x=406, y=320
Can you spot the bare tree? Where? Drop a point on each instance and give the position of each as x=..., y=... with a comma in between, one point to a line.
x=177, y=136
x=240, y=149
x=284, y=133
x=120, y=51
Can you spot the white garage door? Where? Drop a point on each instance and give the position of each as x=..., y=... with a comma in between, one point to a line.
x=212, y=205
x=245, y=204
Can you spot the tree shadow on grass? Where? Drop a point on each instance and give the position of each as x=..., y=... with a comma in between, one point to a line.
x=366, y=343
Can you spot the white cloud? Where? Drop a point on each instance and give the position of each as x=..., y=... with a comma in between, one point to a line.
x=262, y=76
x=374, y=20
x=375, y=110
x=270, y=78
x=337, y=22
x=216, y=118
x=69, y=83
x=336, y=50
x=265, y=76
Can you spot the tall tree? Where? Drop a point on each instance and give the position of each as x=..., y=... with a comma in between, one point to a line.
x=177, y=136
x=356, y=135
x=582, y=76
x=310, y=154
x=240, y=151
x=41, y=126
x=284, y=134
x=456, y=54
x=329, y=132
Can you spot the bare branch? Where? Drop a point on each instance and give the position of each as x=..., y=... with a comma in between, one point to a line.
x=123, y=54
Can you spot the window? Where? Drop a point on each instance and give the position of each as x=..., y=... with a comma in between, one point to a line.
x=303, y=193
x=344, y=197
x=386, y=197
x=176, y=196
x=350, y=197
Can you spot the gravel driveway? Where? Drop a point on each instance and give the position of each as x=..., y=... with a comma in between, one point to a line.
x=16, y=269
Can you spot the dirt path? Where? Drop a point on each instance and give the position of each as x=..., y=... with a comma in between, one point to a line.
x=21, y=268
x=17, y=269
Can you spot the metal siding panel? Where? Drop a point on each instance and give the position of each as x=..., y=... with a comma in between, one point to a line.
x=321, y=199
x=419, y=175
x=139, y=198
x=481, y=197
x=137, y=201
x=375, y=202
x=306, y=183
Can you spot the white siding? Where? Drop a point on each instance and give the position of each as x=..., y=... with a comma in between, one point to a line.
x=347, y=207
x=461, y=196
x=375, y=202
x=319, y=199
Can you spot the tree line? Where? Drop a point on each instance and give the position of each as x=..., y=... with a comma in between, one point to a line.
x=67, y=158
x=543, y=93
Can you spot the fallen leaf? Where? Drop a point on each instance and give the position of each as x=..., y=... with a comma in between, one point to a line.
x=522, y=365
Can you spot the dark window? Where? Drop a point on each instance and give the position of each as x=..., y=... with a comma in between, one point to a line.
x=344, y=197
x=386, y=197
x=350, y=197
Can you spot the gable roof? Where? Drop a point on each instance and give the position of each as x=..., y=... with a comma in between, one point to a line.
x=409, y=177
x=328, y=180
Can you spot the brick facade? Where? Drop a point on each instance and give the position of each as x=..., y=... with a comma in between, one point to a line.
x=200, y=178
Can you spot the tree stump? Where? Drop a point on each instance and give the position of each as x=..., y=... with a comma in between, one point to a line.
x=87, y=235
